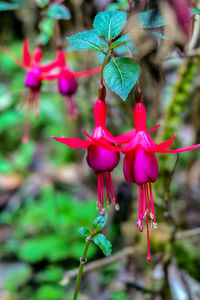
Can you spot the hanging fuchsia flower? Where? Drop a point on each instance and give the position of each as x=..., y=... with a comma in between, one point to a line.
x=183, y=15
x=33, y=78
x=140, y=166
x=101, y=160
x=67, y=83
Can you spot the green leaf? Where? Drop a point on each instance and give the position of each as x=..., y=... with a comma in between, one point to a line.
x=86, y=40
x=9, y=119
x=51, y=274
x=13, y=282
x=101, y=241
x=109, y=24
x=46, y=29
x=58, y=12
x=150, y=19
x=123, y=39
x=8, y=6
x=84, y=231
x=158, y=35
x=100, y=222
x=43, y=3
x=5, y=166
x=195, y=11
x=121, y=74
x=49, y=292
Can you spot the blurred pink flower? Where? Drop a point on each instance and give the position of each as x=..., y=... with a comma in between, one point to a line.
x=67, y=83
x=33, y=78
x=183, y=15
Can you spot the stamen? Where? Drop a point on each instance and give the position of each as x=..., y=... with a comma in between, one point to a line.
x=99, y=191
x=109, y=196
x=25, y=137
x=102, y=192
x=36, y=104
x=152, y=203
x=71, y=107
x=147, y=224
x=110, y=190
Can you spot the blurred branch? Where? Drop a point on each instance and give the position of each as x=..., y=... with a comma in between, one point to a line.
x=187, y=233
x=98, y=264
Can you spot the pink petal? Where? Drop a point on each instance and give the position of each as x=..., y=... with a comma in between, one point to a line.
x=154, y=128
x=126, y=137
x=88, y=72
x=26, y=53
x=74, y=143
x=49, y=67
x=101, y=143
x=182, y=149
x=162, y=146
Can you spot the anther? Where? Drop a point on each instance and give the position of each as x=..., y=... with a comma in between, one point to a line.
x=117, y=207
x=151, y=215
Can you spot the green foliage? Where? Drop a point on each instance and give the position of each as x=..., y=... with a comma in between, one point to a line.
x=158, y=35
x=58, y=12
x=120, y=4
x=150, y=19
x=121, y=74
x=101, y=241
x=49, y=292
x=84, y=231
x=8, y=6
x=188, y=257
x=87, y=40
x=195, y=11
x=100, y=221
x=109, y=24
x=54, y=230
x=119, y=295
x=36, y=249
x=46, y=30
x=13, y=282
x=9, y=119
x=43, y=3
x=52, y=274
x=123, y=39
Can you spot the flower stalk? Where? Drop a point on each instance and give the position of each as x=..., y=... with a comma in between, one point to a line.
x=83, y=261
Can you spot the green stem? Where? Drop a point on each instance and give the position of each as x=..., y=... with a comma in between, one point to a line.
x=83, y=261
x=104, y=64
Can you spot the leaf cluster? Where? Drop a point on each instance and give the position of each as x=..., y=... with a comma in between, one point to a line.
x=96, y=236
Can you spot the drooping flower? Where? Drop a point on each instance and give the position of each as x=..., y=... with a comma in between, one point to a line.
x=100, y=159
x=140, y=166
x=183, y=15
x=67, y=83
x=33, y=78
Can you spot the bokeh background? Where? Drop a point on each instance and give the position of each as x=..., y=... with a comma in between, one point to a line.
x=47, y=191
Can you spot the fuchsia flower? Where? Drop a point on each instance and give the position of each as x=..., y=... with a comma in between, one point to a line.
x=33, y=78
x=140, y=166
x=183, y=15
x=101, y=160
x=67, y=83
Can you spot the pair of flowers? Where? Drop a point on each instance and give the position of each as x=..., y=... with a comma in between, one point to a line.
x=140, y=164
x=36, y=73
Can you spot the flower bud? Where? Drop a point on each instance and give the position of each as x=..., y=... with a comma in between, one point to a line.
x=102, y=160
x=32, y=80
x=67, y=85
x=140, y=166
